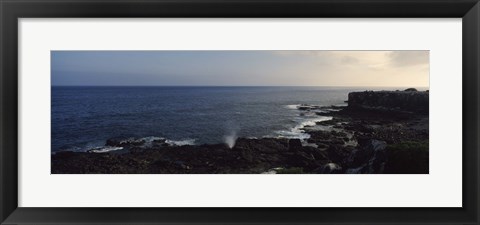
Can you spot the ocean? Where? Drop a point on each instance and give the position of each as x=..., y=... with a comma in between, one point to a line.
x=85, y=117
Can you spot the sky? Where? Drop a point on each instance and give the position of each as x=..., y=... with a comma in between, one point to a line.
x=240, y=68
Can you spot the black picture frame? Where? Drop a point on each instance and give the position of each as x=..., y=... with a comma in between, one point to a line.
x=12, y=10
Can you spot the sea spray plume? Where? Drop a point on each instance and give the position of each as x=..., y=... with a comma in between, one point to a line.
x=231, y=129
x=230, y=139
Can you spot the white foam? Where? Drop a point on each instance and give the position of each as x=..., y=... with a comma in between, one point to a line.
x=308, y=114
x=181, y=142
x=314, y=122
x=292, y=106
x=73, y=149
x=333, y=110
x=104, y=149
x=298, y=132
x=293, y=133
x=151, y=139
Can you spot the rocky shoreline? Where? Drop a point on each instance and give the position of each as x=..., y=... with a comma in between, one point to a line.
x=357, y=139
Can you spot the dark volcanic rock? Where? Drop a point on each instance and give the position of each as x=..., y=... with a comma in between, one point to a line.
x=294, y=144
x=308, y=158
x=370, y=157
x=264, y=145
x=330, y=168
x=248, y=156
x=327, y=138
x=405, y=101
x=379, y=132
x=407, y=158
x=124, y=141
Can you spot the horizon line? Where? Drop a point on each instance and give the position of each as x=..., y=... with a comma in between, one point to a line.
x=232, y=86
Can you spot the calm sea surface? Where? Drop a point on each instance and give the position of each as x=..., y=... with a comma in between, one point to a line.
x=85, y=117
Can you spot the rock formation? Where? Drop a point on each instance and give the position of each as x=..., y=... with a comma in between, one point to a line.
x=404, y=101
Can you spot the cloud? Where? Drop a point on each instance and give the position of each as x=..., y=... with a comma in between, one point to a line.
x=288, y=68
x=370, y=59
x=409, y=58
x=349, y=60
x=300, y=52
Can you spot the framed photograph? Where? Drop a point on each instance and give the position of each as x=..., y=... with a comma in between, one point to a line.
x=239, y=112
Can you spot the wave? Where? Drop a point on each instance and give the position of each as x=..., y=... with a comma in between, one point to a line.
x=104, y=149
x=305, y=120
x=295, y=106
x=147, y=142
x=298, y=131
x=181, y=142
x=151, y=139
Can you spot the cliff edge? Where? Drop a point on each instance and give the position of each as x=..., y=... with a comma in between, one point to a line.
x=398, y=101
